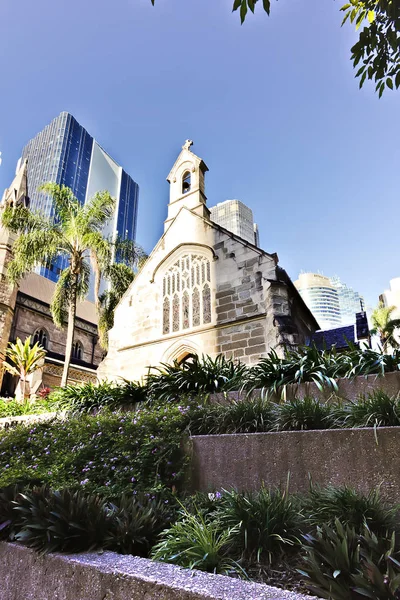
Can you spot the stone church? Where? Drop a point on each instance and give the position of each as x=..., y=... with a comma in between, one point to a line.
x=25, y=311
x=203, y=290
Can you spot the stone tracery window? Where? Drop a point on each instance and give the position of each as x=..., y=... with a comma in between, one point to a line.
x=41, y=337
x=77, y=350
x=186, y=288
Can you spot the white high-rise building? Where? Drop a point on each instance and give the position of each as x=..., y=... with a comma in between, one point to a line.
x=331, y=301
x=391, y=297
x=236, y=217
x=321, y=297
x=350, y=302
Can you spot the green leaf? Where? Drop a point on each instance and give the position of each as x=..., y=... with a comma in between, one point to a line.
x=267, y=6
x=243, y=11
x=381, y=89
x=397, y=80
x=251, y=4
x=345, y=6
x=389, y=83
x=363, y=78
x=236, y=5
x=346, y=16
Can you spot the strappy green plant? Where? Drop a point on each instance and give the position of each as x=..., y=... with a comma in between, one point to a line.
x=198, y=542
x=23, y=359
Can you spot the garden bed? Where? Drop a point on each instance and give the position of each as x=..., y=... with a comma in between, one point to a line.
x=348, y=388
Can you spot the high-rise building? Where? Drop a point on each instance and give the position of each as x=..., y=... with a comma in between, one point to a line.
x=391, y=297
x=350, y=302
x=321, y=297
x=331, y=301
x=236, y=217
x=65, y=153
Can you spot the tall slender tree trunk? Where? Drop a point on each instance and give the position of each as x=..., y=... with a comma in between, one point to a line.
x=70, y=330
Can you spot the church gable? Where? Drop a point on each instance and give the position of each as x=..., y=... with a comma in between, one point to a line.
x=203, y=290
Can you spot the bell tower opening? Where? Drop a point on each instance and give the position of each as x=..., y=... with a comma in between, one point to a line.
x=186, y=182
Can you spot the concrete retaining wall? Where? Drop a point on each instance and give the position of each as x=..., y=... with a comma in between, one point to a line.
x=360, y=458
x=347, y=388
x=7, y=422
x=24, y=575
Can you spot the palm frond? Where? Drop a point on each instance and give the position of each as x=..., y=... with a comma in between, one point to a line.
x=97, y=212
x=33, y=248
x=65, y=204
x=25, y=359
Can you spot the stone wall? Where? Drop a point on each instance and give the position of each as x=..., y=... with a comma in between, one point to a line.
x=25, y=575
x=360, y=458
x=31, y=315
x=8, y=294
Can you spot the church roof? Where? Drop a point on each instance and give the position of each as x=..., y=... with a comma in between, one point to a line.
x=42, y=289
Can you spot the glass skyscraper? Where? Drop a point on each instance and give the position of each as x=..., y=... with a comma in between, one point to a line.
x=330, y=300
x=236, y=217
x=65, y=153
x=350, y=302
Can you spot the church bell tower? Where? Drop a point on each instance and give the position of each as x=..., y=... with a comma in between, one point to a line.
x=187, y=186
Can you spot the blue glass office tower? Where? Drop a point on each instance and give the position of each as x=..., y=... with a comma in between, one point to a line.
x=65, y=153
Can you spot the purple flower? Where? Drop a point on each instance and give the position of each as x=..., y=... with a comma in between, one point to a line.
x=84, y=481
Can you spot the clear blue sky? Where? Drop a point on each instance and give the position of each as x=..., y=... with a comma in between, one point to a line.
x=272, y=106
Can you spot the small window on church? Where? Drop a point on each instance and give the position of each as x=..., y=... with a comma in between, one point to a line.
x=41, y=337
x=186, y=303
x=77, y=351
x=186, y=182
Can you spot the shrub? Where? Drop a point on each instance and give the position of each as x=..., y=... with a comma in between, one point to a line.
x=138, y=521
x=376, y=409
x=325, y=505
x=341, y=564
x=202, y=375
x=308, y=364
x=12, y=408
x=107, y=453
x=92, y=397
x=64, y=521
x=306, y=413
x=7, y=515
x=198, y=542
x=73, y=521
x=242, y=416
x=268, y=522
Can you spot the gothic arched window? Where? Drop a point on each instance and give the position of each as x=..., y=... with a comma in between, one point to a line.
x=77, y=350
x=186, y=182
x=186, y=288
x=41, y=337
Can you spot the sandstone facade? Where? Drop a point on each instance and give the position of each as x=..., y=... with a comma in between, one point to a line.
x=203, y=290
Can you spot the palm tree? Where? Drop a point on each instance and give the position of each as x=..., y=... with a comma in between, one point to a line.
x=385, y=326
x=73, y=231
x=24, y=360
